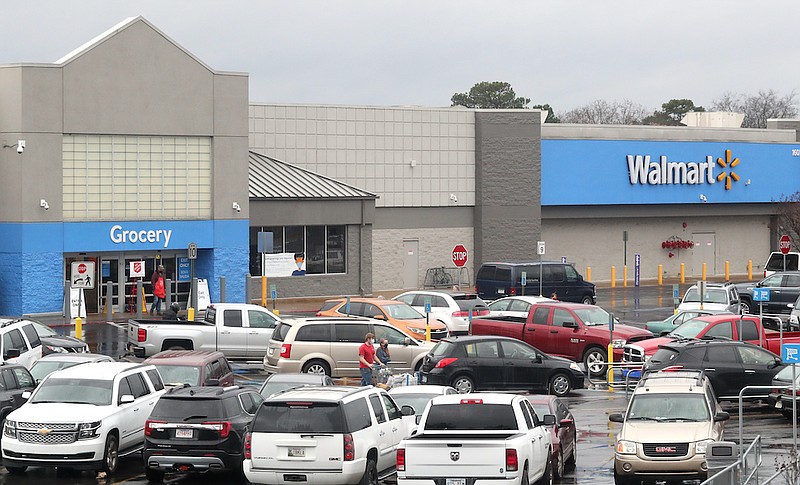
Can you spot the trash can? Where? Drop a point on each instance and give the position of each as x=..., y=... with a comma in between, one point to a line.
x=719, y=455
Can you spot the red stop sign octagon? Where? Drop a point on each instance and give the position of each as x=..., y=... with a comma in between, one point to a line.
x=785, y=244
x=460, y=255
x=81, y=268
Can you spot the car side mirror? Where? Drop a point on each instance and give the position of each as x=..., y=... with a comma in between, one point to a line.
x=791, y=305
x=538, y=359
x=565, y=423
x=212, y=382
x=721, y=416
x=127, y=398
x=11, y=354
x=418, y=419
x=26, y=395
x=407, y=410
x=665, y=333
x=616, y=418
x=569, y=324
x=775, y=363
x=548, y=420
x=406, y=341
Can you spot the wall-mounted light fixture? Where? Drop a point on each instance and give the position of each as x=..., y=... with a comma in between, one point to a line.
x=20, y=146
x=412, y=163
x=237, y=207
x=44, y=205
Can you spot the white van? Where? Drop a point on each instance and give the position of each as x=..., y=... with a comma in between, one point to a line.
x=775, y=262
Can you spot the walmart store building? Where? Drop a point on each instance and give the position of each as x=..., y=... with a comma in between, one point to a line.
x=139, y=149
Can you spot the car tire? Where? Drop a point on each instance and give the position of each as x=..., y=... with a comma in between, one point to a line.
x=559, y=385
x=525, y=480
x=154, y=476
x=744, y=307
x=558, y=468
x=16, y=470
x=587, y=300
x=592, y=358
x=317, y=366
x=111, y=454
x=463, y=384
x=547, y=477
x=370, y=473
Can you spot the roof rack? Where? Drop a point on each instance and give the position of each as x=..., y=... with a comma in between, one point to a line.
x=656, y=374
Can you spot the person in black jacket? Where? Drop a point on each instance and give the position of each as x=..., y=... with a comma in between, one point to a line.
x=172, y=312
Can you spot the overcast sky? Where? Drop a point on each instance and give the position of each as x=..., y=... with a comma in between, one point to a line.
x=420, y=52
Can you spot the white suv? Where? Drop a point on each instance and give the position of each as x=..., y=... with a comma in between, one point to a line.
x=718, y=297
x=449, y=307
x=326, y=435
x=84, y=417
x=20, y=342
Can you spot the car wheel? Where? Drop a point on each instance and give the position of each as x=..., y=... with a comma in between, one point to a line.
x=594, y=359
x=525, y=479
x=463, y=384
x=587, y=300
x=370, y=473
x=154, y=475
x=111, y=455
x=317, y=367
x=16, y=470
x=744, y=306
x=547, y=477
x=560, y=385
x=558, y=468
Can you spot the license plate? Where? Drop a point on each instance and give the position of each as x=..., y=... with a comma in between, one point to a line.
x=455, y=481
x=500, y=291
x=424, y=379
x=270, y=351
x=779, y=405
x=297, y=452
x=183, y=433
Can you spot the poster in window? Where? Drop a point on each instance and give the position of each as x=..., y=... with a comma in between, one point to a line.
x=284, y=264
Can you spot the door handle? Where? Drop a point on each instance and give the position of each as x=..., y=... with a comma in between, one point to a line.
x=381, y=433
x=749, y=371
x=254, y=332
x=135, y=409
x=394, y=429
x=710, y=370
x=553, y=331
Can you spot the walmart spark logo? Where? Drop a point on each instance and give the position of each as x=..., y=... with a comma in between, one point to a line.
x=729, y=174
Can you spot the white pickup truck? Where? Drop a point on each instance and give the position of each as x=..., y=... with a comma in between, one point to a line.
x=239, y=330
x=477, y=439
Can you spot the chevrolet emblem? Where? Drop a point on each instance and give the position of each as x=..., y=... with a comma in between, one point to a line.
x=44, y=431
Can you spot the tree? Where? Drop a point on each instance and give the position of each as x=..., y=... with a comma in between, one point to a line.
x=601, y=112
x=672, y=112
x=788, y=208
x=490, y=95
x=757, y=109
x=551, y=116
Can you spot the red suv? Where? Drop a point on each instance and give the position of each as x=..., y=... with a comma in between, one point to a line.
x=193, y=367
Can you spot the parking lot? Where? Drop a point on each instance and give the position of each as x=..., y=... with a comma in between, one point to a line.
x=590, y=407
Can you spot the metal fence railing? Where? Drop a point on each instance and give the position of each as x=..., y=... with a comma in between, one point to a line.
x=444, y=277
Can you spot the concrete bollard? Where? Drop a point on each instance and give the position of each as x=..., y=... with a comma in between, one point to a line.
x=727, y=270
x=750, y=269
x=264, y=291
x=222, y=289
x=625, y=276
x=704, y=271
x=613, y=276
x=247, y=291
x=589, y=274
x=683, y=273
x=660, y=274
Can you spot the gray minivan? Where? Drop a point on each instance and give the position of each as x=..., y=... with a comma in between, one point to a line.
x=500, y=279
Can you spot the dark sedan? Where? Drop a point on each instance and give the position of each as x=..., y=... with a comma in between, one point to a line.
x=729, y=364
x=52, y=342
x=564, y=434
x=471, y=363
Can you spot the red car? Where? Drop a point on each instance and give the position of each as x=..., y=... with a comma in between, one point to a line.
x=564, y=434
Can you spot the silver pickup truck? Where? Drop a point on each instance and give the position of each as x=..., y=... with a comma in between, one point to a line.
x=239, y=330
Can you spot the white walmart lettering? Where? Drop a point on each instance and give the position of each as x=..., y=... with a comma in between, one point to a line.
x=120, y=235
x=643, y=171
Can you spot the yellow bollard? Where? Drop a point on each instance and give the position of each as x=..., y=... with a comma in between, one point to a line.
x=611, y=367
x=750, y=269
x=427, y=331
x=704, y=271
x=263, y=291
x=613, y=276
x=276, y=311
x=589, y=274
x=190, y=314
x=727, y=270
x=79, y=328
x=660, y=274
x=683, y=273
x=625, y=276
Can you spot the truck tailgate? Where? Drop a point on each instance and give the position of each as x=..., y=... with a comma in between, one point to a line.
x=455, y=457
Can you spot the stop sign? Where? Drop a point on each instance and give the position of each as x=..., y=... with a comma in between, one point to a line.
x=785, y=244
x=81, y=268
x=460, y=255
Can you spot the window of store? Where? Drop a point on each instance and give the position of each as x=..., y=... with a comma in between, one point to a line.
x=324, y=247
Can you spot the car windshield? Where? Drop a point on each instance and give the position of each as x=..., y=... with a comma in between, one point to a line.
x=73, y=391
x=416, y=401
x=689, y=329
x=402, y=312
x=272, y=387
x=593, y=316
x=542, y=409
x=679, y=407
x=441, y=349
x=711, y=295
x=43, y=330
x=43, y=368
x=174, y=375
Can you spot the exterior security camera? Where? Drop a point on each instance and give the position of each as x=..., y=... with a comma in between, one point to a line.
x=21, y=146
x=454, y=198
x=237, y=207
x=703, y=198
x=43, y=204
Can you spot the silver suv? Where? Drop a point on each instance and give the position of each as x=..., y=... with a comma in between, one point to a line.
x=329, y=345
x=670, y=420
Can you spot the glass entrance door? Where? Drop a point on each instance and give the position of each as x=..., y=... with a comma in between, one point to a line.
x=109, y=273
x=151, y=262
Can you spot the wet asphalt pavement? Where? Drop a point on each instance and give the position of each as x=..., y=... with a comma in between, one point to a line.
x=590, y=407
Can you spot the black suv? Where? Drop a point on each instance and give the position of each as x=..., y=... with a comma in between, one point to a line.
x=729, y=364
x=497, y=280
x=14, y=380
x=198, y=429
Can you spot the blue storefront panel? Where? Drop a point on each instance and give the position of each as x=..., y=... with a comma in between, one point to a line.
x=598, y=172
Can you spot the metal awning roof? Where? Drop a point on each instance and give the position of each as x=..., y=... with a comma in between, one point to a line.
x=273, y=179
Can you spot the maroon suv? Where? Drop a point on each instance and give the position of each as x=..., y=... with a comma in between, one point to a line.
x=193, y=367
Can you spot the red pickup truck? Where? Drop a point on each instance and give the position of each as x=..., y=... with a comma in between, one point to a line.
x=573, y=330
x=725, y=325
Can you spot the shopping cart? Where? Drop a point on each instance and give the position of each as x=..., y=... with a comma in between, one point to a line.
x=381, y=375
